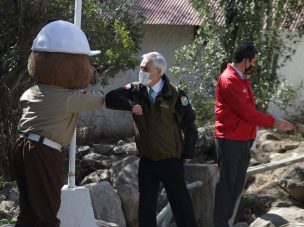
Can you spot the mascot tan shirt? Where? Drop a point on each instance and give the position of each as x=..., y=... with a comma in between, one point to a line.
x=52, y=111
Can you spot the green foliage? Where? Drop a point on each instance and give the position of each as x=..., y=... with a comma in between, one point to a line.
x=117, y=33
x=6, y=222
x=112, y=26
x=198, y=65
x=2, y=182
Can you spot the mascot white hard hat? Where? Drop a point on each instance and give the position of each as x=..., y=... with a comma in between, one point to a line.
x=64, y=37
x=60, y=56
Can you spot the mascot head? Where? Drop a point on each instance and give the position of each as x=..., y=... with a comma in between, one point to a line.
x=60, y=56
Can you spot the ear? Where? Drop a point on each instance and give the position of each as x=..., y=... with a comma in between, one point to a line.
x=159, y=72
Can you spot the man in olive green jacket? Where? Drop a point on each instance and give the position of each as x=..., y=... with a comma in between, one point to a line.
x=161, y=113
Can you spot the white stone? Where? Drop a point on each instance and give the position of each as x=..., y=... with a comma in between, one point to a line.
x=76, y=208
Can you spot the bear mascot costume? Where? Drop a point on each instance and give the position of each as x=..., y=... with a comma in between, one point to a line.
x=59, y=63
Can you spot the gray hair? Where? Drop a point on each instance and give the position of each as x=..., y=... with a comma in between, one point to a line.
x=158, y=61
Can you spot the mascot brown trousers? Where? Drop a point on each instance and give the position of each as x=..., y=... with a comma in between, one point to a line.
x=39, y=173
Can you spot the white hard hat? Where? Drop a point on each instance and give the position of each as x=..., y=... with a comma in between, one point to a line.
x=64, y=37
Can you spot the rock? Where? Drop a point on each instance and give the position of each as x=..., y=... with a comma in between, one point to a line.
x=279, y=216
x=114, y=158
x=8, y=209
x=106, y=204
x=290, y=146
x=129, y=196
x=300, y=129
x=280, y=156
x=93, y=156
x=101, y=223
x=103, y=148
x=10, y=192
x=13, y=194
x=293, y=225
x=121, y=142
x=82, y=151
x=253, y=162
x=118, y=165
x=96, y=164
x=241, y=224
x=128, y=148
x=282, y=203
x=128, y=175
x=203, y=205
x=97, y=176
x=261, y=223
x=264, y=135
x=205, y=144
x=271, y=146
x=293, y=181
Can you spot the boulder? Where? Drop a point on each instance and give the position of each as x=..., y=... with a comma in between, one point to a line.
x=264, y=135
x=8, y=209
x=119, y=165
x=129, y=196
x=97, y=176
x=280, y=216
x=293, y=181
x=280, y=156
x=91, y=156
x=128, y=148
x=92, y=164
x=290, y=146
x=101, y=223
x=128, y=175
x=10, y=192
x=241, y=224
x=82, y=151
x=106, y=203
x=205, y=144
x=203, y=205
x=271, y=146
x=103, y=148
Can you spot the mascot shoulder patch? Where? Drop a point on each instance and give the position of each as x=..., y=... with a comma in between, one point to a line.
x=184, y=101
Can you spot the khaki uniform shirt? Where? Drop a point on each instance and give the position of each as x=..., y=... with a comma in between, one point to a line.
x=52, y=111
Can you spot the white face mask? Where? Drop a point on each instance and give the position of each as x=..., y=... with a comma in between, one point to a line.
x=144, y=78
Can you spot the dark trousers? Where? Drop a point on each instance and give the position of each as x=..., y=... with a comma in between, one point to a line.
x=171, y=173
x=39, y=173
x=233, y=161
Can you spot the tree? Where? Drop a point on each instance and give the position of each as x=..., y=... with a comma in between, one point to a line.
x=112, y=26
x=224, y=25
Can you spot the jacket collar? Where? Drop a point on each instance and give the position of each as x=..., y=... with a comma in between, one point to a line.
x=166, y=92
x=234, y=72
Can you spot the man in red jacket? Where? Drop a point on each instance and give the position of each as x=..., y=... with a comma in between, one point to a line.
x=235, y=130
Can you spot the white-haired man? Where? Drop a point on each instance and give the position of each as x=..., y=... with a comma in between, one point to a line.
x=161, y=113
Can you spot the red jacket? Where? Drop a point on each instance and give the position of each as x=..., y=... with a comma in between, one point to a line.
x=236, y=115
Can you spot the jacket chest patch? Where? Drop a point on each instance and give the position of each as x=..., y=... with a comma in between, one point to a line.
x=246, y=93
x=164, y=105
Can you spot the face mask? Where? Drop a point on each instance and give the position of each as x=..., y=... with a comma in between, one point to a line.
x=144, y=78
x=250, y=70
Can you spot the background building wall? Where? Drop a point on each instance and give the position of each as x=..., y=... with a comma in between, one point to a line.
x=293, y=71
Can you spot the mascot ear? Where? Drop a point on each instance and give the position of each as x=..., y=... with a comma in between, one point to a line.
x=60, y=69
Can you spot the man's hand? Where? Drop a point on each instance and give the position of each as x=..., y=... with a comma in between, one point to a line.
x=137, y=110
x=187, y=160
x=283, y=125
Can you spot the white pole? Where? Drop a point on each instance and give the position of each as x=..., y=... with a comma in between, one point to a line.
x=72, y=158
x=72, y=153
x=77, y=14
